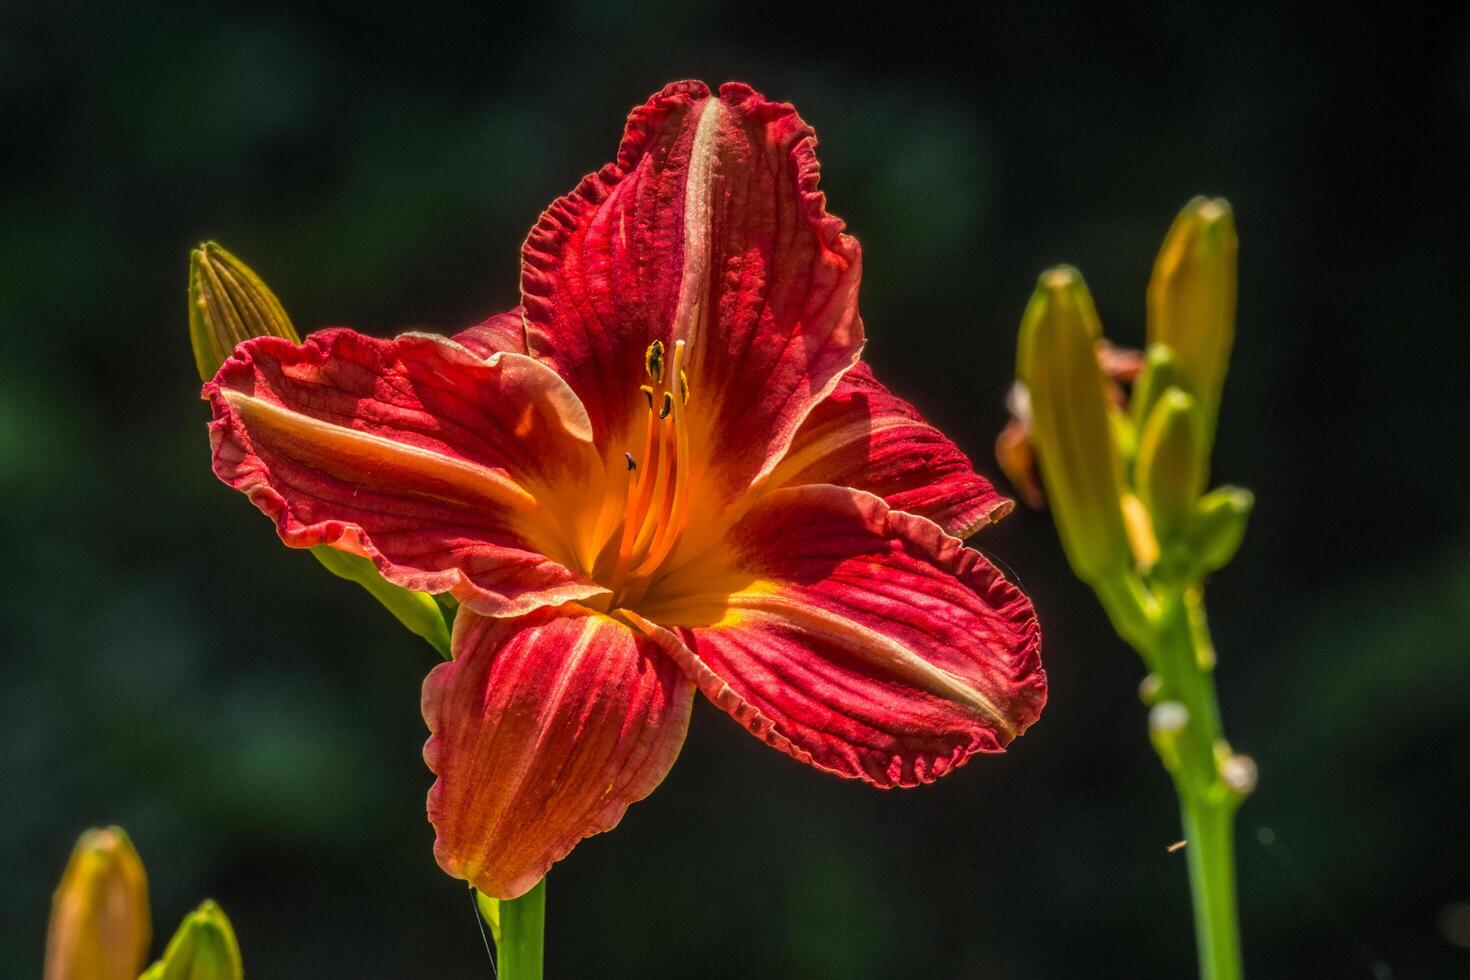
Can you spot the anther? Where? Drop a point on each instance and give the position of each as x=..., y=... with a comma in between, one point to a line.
x=684, y=387
x=653, y=361
x=648, y=394
x=632, y=463
x=667, y=407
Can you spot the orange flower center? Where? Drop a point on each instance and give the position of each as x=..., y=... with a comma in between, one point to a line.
x=656, y=511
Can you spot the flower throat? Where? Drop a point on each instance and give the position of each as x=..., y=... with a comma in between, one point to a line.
x=657, y=502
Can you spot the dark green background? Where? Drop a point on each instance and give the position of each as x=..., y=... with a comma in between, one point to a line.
x=254, y=723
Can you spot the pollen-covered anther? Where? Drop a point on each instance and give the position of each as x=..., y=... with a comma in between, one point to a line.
x=647, y=394
x=684, y=387
x=667, y=406
x=653, y=361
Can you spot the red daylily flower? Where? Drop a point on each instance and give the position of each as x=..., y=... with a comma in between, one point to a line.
x=667, y=470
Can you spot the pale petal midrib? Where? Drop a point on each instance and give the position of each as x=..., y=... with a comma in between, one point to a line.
x=875, y=649
x=478, y=480
x=690, y=312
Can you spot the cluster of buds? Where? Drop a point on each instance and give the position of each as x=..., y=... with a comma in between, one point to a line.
x=1122, y=442
x=100, y=923
x=1124, y=474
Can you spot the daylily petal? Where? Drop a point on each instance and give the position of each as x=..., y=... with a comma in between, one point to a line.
x=503, y=331
x=542, y=731
x=708, y=228
x=451, y=472
x=863, y=436
x=858, y=638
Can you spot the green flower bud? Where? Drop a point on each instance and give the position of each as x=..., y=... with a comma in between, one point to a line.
x=1159, y=373
x=204, y=948
x=1140, y=528
x=100, y=927
x=1070, y=428
x=1169, y=473
x=1191, y=301
x=228, y=303
x=1217, y=526
x=1125, y=434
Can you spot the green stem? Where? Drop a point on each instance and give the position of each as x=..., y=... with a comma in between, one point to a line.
x=1184, y=657
x=522, y=942
x=1210, y=830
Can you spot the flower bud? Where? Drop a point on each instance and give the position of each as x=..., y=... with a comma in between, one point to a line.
x=1140, y=527
x=1217, y=526
x=99, y=914
x=1191, y=301
x=1070, y=428
x=1159, y=373
x=228, y=303
x=1169, y=473
x=204, y=948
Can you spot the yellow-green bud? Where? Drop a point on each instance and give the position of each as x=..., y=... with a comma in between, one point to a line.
x=1140, y=528
x=99, y=914
x=204, y=948
x=1217, y=526
x=228, y=303
x=1169, y=473
x=1191, y=301
x=1070, y=429
x=1159, y=373
x=1125, y=434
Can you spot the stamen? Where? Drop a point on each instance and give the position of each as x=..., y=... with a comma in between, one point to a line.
x=656, y=510
x=640, y=488
x=653, y=361
x=656, y=504
x=675, y=510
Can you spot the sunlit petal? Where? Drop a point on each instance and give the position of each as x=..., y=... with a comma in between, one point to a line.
x=453, y=473
x=858, y=638
x=863, y=436
x=708, y=228
x=503, y=331
x=543, y=730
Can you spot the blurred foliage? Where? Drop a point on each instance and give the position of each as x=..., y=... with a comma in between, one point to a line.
x=254, y=723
